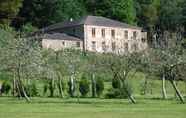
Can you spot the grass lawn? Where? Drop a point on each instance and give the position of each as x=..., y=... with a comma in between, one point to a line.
x=90, y=108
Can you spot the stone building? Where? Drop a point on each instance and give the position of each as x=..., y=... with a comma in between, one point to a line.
x=97, y=34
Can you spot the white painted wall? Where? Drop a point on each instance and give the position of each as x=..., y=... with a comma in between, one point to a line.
x=58, y=44
x=119, y=39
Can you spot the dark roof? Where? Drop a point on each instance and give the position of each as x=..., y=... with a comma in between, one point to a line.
x=91, y=20
x=60, y=36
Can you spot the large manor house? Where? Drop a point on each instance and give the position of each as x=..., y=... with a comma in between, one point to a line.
x=95, y=34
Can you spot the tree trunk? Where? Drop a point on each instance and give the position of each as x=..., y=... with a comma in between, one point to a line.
x=129, y=95
x=18, y=89
x=51, y=87
x=14, y=87
x=93, y=81
x=177, y=91
x=60, y=86
x=21, y=86
x=145, y=87
x=72, y=86
x=164, y=93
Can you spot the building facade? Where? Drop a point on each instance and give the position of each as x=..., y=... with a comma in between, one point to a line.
x=99, y=34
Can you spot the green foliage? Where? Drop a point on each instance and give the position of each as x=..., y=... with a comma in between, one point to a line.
x=31, y=89
x=113, y=93
x=9, y=10
x=6, y=87
x=116, y=83
x=122, y=10
x=28, y=28
x=45, y=12
x=84, y=86
x=49, y=85
x=99, y=86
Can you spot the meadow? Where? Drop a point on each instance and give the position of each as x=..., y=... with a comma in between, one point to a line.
x=90, y=108
x=148, y=106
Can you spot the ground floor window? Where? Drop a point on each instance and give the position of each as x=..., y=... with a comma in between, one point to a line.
x=78, y=44
x=93, y=45
x=126, y=46
x=103, y=46
x=135, y=47
x=113, y=46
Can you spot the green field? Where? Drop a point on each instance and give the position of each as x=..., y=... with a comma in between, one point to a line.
x=90, y=108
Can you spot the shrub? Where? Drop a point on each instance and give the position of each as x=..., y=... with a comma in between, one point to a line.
x=63, y=85
x=49, y=85
x=84, y=87
x=99, y=86
x=119, y=92
x=113, y=93
x=32, y=90
x=116, y=84
x=6, y=87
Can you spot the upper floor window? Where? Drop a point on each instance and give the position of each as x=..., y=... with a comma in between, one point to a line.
x=103, y=33
x=113, y=33
x=143, y=40
x=93, y=32
x=126, y=34
x=134, y=35
x=93, y=45
x=78, y=44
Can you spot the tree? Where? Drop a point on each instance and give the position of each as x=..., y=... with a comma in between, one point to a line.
x=122, y=10
x=21, y=58
x=169, y=23
x=122, y=67
x=147, y=16
x=42, y=13
x=167, y=62
x=9, y=10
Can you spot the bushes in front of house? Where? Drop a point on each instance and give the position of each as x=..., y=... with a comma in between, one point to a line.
x=84, y=86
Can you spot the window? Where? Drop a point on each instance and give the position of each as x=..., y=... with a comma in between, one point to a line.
x=93, y=32
x=93, y=45
x=135, y=47
x=134, y=35
x=74, y=31
x=113, y=33
x=78, y=44
x=103, y=46
x=63, y=43
x=103, y=33
x=113, y=46
x=126, y=35
x=126, y=46
x=143, y=40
